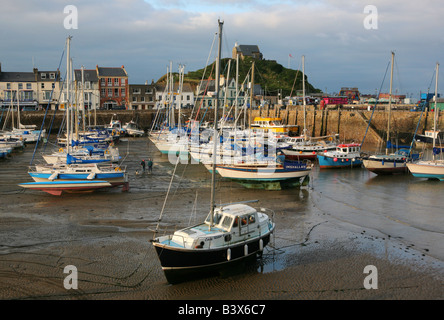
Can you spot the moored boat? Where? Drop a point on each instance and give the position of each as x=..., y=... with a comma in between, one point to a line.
x=58, y=187
x=345, y=156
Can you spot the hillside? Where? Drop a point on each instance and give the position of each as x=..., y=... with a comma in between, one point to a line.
x=271, y=75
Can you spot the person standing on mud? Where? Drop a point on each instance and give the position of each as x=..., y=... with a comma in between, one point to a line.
x=143, y=165
x=150, y=165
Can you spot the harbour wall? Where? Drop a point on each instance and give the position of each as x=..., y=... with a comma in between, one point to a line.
x=351, y=125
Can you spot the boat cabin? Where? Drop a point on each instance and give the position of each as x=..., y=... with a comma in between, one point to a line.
x=231, y=223
x=233, y=217
x=351, y=150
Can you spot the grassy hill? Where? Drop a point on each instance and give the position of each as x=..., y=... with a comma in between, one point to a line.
x=271, y=75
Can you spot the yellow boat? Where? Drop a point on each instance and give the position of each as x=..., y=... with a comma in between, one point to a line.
x=273, y=124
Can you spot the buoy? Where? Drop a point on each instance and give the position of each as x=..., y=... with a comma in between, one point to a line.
x=246, y=249
x=228, y=254
x=335, y=159
x=261, y=245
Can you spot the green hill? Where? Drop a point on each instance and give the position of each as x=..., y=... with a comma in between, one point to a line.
x=272, y=76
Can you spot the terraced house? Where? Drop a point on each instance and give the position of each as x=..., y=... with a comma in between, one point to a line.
x=113, y=87
x=30, y=90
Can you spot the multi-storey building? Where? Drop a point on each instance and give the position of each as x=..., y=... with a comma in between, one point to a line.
x=165, y=96
x=113, y=87
x=90, y=87
x=49, y=86
x=142, y=96
x=36, y=89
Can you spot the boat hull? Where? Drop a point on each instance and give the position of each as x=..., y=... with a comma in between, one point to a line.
x=58, y=187
x=180, y=264
x=385, y=166
x=427, y=169
x=327, y=162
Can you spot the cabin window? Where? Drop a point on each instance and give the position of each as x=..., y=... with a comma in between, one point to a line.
x=226, y=223
x=216, y=219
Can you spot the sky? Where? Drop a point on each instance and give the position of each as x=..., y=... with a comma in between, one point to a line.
x=345, y=43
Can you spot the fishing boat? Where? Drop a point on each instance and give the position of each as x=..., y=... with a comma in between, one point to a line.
x=230, y=235
x=132, y=129
x=434, y=168
x=426, y=140
x=267, y=124
x=345, y=156
x=268, y=175
x=58, y=187
x=303, y=148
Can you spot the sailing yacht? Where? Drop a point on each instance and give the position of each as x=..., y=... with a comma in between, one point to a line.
x=434, y=168
x=231, y=234
x=53, y=178
x=388, y=163
x=305, y=147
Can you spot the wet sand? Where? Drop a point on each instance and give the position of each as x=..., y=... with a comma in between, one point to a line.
x=313, y=255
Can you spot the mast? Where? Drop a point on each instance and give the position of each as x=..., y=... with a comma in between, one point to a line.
x=435, y=113
x=18, y=108
x=251, y=94
x=237, y=90
x=68, y=125
x=303, y=96
x=215, y=133
x=83, y=101
x=390, y=105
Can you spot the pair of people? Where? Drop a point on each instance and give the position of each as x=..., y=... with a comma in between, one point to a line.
x=150, y=165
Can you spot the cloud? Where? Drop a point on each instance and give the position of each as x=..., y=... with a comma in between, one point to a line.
x=145, y=35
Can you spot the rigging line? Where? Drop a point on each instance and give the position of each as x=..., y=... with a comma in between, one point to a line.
x=376, y=102
x=53, y=118
x=294, y=83
x=166, y=198
x=47, y=108
x=205, y=70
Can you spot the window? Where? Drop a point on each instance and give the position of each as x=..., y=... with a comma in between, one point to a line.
x=116, y=82
x=102, y=92
x=226, y=223
x=142, y=99
x=28, y=86
x=8, y=86
x=102, y=82
x=52, y=76
x=87, y=85
x=110, y=82
x=46, y=95
x=110, y=92
x=42, y=85
x=27, y=95
x=122, y=92
x=122, y=82
x=134, y=99
x=43, y=75
x=116, y=92
x=20, y=86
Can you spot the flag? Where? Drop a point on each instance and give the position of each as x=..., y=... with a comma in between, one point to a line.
x=290, y=55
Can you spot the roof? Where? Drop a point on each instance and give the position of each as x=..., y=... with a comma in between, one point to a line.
x=111, y=72
x=248, y=50
x=238, y=209
x=17, y=77
x=88, y=75
x=186, y=87
x=47, y=77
